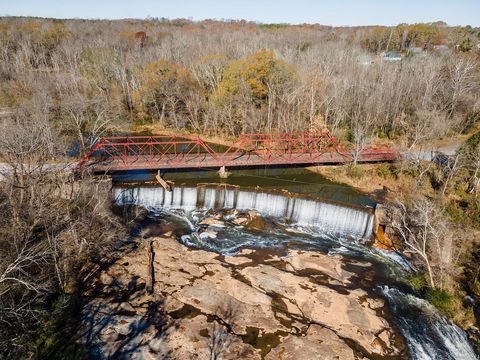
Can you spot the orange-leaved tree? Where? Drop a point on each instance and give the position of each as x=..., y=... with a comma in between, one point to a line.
x=258, y=76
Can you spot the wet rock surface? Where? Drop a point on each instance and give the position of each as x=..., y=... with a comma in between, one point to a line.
x=296, y=305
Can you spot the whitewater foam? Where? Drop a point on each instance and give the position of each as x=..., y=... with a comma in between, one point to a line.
x=429, y=335
x=328, y=217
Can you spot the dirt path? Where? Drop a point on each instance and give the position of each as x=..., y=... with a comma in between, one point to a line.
x=447, y=146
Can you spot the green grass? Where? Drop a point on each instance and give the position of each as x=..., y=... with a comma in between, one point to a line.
x=417, y=281
x=443, y=301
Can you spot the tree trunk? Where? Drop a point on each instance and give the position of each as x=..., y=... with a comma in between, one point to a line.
x=430, y=273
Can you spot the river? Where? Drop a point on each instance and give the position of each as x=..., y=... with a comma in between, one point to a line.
x=299, y=211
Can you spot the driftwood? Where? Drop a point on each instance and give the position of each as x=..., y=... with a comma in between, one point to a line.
x=165, y=184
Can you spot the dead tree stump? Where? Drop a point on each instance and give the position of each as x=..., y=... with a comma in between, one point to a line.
x=150, y=269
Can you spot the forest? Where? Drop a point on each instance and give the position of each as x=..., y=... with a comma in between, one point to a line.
x=66, y=83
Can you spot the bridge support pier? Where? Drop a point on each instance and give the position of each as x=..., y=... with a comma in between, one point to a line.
x=223, y=173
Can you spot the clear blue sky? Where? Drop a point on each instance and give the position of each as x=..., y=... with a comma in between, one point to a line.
x=328, y=12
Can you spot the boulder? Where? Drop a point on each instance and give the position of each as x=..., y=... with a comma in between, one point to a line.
x=258, y=223
x=212, y=221
x=328, y=265
x=237, y=260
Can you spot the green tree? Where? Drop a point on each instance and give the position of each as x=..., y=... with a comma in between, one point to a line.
x=466, y=45
x=258, y=75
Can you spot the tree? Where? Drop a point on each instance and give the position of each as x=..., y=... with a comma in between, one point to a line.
x=256, y=85
x=425, y=233
x=220, y=338
x=208, y=71
x=462, y=78
x=258, y=74
x=49, y=228
x=466, y=45
x=86, y=119
x=165, y=90
x=470, y=153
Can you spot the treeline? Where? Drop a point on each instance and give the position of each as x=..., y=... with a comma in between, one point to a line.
x=405, y=37
x=91, y=77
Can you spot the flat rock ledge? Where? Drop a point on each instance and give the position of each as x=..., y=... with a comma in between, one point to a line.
x=206, y=306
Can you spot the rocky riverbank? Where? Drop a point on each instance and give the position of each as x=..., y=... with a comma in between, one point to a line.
x=271, y=304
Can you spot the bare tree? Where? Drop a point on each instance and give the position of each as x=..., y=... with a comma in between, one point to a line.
x=418, y=228
x=49, y=227
x=425, y=232
x=88, y=119
x=471, y=161
x=462, y=79
x=450, y=169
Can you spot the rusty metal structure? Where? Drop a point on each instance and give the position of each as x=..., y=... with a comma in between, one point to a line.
x=124, y=153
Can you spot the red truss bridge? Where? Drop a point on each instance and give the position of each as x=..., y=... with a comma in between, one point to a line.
x=122, y=153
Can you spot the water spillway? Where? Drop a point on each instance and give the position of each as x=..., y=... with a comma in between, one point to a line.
x=331, y=217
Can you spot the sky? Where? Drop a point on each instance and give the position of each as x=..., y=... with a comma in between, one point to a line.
x=325, y=12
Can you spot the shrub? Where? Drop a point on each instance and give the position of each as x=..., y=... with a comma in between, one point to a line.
x=354, y=171
x=449, y=304
x=452, y=307
x=417, y=281
x=466, y=211
x=442, y=300
x=383, y=170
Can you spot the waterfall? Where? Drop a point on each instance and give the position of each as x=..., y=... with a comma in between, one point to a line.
x=331, y=217
x=429, y=335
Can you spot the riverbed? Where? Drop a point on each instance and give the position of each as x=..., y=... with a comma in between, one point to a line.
x=266, y=265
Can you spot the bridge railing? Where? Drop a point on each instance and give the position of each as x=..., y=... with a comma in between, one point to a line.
x=283, y=145
x=299, y=147
x=128, y=149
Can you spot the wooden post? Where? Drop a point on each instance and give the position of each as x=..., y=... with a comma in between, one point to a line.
x=150, y=268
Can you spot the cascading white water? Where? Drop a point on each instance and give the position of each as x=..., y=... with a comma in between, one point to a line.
x=429, y=335
x=329, y=217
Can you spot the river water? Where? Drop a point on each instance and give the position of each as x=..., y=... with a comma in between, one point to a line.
x=314, y=215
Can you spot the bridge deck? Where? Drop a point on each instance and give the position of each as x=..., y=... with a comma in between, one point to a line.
x=245, y=160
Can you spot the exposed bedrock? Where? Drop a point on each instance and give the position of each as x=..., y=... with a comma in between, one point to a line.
x=304, y=305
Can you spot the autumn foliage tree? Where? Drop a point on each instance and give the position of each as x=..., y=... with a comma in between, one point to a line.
x=164, y=92
x=259, y=80
x=403, y=37
x=258, y=75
